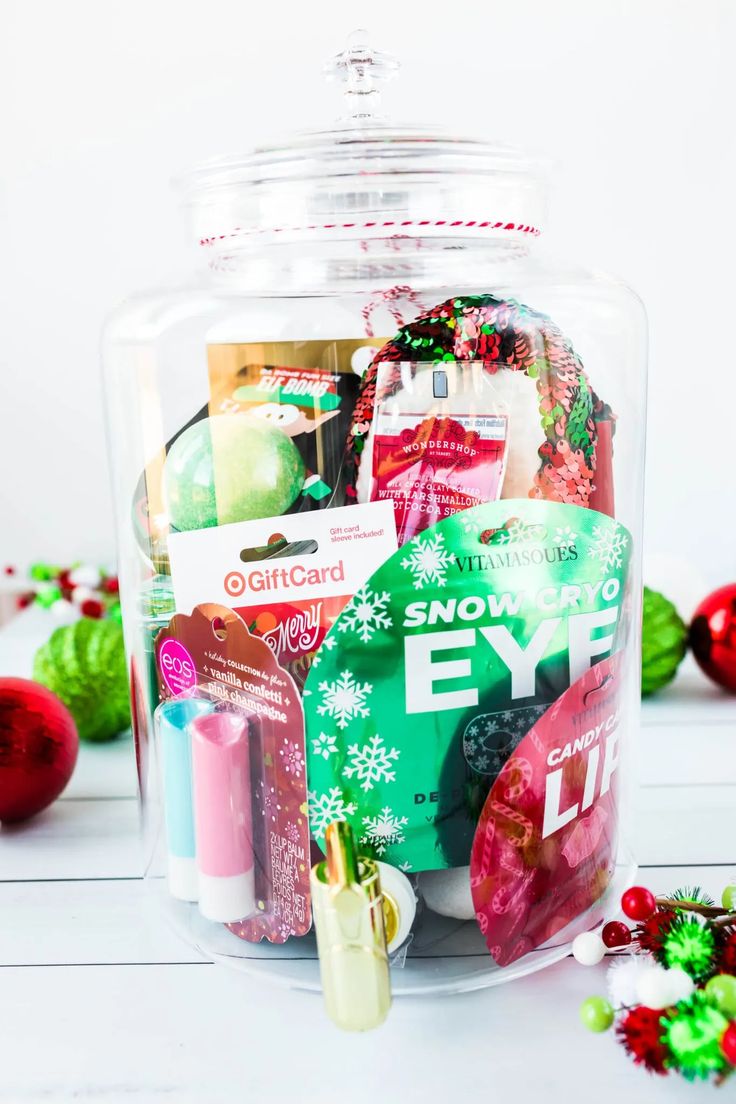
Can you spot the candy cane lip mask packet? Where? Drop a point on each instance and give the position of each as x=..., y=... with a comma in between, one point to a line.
x=427, y=687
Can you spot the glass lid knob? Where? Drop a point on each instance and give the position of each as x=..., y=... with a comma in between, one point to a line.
x=363, y=71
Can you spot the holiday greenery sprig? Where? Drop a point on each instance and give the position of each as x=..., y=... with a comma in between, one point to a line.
x=672, y=989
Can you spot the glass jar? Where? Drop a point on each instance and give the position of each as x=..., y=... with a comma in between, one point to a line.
x=376, y=334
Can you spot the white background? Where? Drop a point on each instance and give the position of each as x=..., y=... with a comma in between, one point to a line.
x=104, y=100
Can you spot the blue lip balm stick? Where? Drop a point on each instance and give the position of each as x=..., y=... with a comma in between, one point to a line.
x=173, y=719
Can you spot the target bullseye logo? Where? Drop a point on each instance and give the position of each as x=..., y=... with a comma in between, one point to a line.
x=235, y=584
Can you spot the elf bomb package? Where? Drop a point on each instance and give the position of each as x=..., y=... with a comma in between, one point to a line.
x=381, y=594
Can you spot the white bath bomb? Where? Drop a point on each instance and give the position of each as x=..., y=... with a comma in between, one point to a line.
x=472, y=392
x=447, y=892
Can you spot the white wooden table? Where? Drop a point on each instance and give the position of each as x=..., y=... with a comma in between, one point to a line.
x=99, y=1001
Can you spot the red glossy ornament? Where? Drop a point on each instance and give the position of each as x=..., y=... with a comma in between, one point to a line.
x=92, y=608
x=38, y=748
x=110, y=585
x=638, y=903
x=713, y=636
x=728, y=1043
x=616, y=934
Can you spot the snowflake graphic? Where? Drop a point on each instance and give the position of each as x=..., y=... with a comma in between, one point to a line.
x=325, y=745
x=473, y=730
x=516, y=531
x=326, y=808
x=384, y=830
x=344, y=699
x=293, y=758
x=371, y=763
x=564, y=537
x=327, y=645
x=470, y=525
x=293, y=834
x=366, y=613
x=608, y=547
x=405, y=866
x=428, y=559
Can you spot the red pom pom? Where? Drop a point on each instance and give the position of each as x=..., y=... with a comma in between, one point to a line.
x=92, y=608
x=651, y=934
x=616, y=934
x=24, y=600
x=638, y=903
x=727, y=958
x=38, y=748
x=640, y=1032
x=110, y=585
x=728, y=1043
x=9, y=569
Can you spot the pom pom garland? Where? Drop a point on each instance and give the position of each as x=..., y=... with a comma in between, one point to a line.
x=622, y=979
x=728, y=1044
x=692, y=1034
x=616, y=934
x=588, y=949
x=638, y=903
x=691, y=946
x=640, y=1033
x=673, y=995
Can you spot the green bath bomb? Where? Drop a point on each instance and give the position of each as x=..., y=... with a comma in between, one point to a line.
x=663, y=642
x=230, y=468
x=84, y=665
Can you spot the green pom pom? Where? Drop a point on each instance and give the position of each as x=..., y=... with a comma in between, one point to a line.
x=663, y=642
x=693, y=1034
x=84, y=665
x=691, y=946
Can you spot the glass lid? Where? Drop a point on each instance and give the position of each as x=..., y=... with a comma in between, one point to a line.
x=366, y=176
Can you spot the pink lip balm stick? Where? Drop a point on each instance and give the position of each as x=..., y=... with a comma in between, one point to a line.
x=222, y=816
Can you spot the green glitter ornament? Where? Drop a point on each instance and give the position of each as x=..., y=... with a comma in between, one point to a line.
x=229, y=468
x=663, y=642
x=728, y=898
x=691, y=946
x=84, y=665
x=693, y=1033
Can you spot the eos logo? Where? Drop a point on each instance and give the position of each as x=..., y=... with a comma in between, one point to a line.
x=176, y=666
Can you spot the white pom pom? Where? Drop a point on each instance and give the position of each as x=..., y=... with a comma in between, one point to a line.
x=86, y=575
x=588, y=949
x=82, y=594
x=622, y=977
x=653, y=988
x=447, y=892
x=680, y=984
x=64, y=612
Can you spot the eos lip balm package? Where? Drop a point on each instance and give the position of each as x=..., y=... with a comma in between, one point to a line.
x=378, y=479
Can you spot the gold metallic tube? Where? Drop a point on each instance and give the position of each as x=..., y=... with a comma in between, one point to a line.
x=351, y=938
